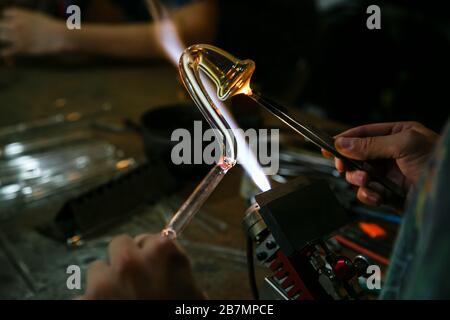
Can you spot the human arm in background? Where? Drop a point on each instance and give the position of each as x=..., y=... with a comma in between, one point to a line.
x=402, y=147
x=146, y=267
x=32, y=33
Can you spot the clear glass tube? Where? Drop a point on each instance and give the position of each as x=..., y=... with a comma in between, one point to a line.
x=220, y=67
x=195, y=201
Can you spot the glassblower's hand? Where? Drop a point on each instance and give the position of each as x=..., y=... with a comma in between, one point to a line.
x=403, y=147
x=146, y=267
x=28, y=32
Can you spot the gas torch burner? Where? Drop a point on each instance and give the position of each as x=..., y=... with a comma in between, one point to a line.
x=290, y=226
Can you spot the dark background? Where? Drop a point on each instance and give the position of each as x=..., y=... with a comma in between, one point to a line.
x=325, y=59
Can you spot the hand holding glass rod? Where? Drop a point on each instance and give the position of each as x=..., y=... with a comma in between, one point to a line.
x=235, y=78
x=326, y=142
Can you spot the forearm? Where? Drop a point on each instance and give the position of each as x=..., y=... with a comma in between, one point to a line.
x=195, y=23
x=124, y=41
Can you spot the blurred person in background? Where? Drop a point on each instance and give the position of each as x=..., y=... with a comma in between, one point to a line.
x=318, y=55
x=115, y=28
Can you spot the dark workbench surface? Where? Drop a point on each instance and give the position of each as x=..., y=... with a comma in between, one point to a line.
x=33, y=266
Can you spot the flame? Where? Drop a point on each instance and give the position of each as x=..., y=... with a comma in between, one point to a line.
x=166, y=31
x=245, y=156
x=171, y=43
x=170, y=40
x=245, y=89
